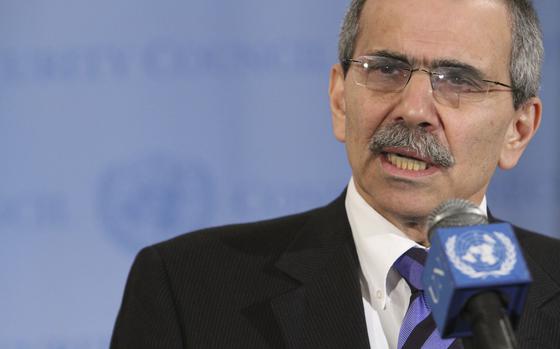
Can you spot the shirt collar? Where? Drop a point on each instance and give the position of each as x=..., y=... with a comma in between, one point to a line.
x=379, y=244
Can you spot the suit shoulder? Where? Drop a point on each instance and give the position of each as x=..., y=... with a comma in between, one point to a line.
x=261, y=237
x=543, y=250
x=537, y=242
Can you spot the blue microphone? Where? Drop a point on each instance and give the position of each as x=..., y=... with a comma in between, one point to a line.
x=475, y=278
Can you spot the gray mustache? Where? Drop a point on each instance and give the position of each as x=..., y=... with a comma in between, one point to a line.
x=416, y=139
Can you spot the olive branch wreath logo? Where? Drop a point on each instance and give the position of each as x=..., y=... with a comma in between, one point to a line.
x=505, y=268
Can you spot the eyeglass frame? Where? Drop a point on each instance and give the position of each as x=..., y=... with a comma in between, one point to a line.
x=432, y=73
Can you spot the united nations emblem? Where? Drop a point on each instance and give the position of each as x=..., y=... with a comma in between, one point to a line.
x=481, y=254
x=154, y=198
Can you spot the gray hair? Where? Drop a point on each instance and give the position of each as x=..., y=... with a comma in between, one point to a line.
x=527, y=50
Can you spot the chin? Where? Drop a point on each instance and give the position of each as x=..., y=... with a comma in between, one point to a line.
x=413, y=205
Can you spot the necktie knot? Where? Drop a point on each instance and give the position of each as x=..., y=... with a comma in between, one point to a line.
x=410, y=266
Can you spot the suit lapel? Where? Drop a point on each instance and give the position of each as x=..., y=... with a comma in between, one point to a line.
x=326, y=309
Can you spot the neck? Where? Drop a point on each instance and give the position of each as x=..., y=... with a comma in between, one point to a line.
x=413, y=227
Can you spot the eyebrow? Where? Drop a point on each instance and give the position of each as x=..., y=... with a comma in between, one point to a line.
x=437, y=63
x=453, y=63
x=390, y=54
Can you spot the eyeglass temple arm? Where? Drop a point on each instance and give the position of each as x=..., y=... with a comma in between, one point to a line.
x=498, y=83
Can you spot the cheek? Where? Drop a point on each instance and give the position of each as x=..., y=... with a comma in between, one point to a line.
x=478, y=145
x=363, y=118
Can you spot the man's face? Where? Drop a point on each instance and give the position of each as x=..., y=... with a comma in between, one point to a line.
x=479, y=136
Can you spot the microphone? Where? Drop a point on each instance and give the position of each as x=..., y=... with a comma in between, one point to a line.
x=475, y=278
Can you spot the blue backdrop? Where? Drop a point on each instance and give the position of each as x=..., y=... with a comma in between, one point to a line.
x=123, y=123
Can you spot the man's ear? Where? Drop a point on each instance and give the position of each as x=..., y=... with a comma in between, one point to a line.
x=338, y=102
x=521, y=130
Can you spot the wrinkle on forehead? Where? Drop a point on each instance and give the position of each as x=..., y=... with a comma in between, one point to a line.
x=429, y=39
x=476, y=32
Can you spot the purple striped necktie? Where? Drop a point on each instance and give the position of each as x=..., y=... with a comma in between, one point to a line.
x=418, y=329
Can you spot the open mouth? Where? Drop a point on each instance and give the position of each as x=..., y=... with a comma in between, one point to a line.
x=406, y=163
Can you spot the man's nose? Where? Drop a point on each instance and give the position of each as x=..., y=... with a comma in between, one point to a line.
x=417, y=106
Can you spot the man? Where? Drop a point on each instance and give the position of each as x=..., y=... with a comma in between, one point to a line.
x=429, y=97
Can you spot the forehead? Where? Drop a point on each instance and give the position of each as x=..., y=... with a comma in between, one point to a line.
x=476, y=32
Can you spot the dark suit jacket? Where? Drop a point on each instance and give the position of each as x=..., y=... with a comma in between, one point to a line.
x=291, y=282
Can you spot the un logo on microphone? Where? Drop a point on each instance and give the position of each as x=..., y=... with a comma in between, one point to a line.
x=467, y=260
x=481, y=254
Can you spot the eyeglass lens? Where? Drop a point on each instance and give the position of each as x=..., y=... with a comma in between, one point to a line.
x=450, y=85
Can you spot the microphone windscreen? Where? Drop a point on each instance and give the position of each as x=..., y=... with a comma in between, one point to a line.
x=455, y=213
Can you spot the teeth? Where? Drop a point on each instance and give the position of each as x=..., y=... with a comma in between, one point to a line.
x=405, y=163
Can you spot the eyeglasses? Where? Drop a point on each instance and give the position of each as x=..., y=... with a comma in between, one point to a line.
x=450, y=85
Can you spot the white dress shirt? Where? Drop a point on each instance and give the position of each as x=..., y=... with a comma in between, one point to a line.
x=384, y=292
